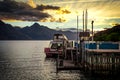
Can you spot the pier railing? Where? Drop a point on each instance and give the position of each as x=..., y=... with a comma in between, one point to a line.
x=101, y=56
x=102, y=45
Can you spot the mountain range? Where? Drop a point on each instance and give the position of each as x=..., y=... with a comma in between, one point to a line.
x=40, y=32
x=33, y=32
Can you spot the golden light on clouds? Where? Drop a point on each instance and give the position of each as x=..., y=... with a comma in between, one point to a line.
x=54, y=19
x=58, y=15
x=63, y=11
x=32, y=4
x=12, y=20
x=62, y=14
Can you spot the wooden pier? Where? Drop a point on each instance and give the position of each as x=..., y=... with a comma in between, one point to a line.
x=69, y=61
x=92, y=58
x=68, y=65
x=101, y=57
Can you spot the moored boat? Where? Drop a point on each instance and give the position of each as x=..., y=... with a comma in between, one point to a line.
x=56, y=46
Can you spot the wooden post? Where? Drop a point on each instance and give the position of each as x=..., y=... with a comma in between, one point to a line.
x=113, y=63
x=56, y=65
x=71, y=55
x=119, y=45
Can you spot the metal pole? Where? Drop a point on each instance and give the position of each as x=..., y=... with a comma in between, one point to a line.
x=77, y=38
x=77, y=28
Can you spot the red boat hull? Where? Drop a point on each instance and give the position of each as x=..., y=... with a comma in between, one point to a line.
x=50, y=53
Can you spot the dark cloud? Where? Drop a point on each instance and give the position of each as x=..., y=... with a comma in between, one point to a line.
x=33, y=13
x=47, y=7
x=11, y=6
x=20, y=11
x=10, y=9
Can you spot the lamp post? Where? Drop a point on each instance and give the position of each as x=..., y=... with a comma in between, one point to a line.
x=77, y=29
x=92, y=29
x=77, y=37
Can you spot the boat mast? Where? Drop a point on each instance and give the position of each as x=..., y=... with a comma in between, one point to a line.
x=83, y=21
x=86, y=16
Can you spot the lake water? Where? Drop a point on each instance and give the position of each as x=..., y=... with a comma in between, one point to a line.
x=25, y=60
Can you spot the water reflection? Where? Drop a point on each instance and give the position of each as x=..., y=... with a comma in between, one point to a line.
x=25, y=60
x=63, y=75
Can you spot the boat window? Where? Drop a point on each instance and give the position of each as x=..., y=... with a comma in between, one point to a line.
x=60, y=37
x=56, y=46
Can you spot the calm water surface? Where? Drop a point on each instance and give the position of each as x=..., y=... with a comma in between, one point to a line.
x=25, y=60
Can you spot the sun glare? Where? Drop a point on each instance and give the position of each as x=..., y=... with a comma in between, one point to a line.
x=31, y=3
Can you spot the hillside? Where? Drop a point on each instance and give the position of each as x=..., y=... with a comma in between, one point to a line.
x=33, y=32
x=112, y=34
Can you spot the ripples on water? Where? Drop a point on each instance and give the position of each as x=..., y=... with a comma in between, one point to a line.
x=25, y=60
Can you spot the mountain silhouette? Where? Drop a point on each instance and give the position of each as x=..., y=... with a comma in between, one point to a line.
x=40, y=32
x=33, y=32
x=8, y=32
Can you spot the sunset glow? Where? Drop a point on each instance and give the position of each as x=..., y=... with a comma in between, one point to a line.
x=105, y=13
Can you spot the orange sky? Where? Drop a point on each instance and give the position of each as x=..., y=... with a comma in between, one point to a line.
x=105, y=13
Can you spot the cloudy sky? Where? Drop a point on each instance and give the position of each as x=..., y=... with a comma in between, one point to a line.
x=60, y=13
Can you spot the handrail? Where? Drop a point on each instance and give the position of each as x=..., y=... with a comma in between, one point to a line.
x=101, y=45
